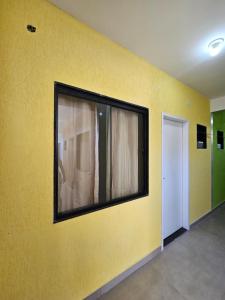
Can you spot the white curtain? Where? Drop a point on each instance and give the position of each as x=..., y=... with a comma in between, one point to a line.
x=78, y=160
x=124, y=153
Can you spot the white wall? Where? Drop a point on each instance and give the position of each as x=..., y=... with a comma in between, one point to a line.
x=217, y=104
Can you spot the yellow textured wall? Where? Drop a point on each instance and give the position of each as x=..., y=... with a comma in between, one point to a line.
x=40, y=260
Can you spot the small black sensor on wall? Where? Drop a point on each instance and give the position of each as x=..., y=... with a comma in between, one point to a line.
x=201, y=136
x=220, y=140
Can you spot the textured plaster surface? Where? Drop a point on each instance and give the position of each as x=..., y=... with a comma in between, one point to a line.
x=71, y=259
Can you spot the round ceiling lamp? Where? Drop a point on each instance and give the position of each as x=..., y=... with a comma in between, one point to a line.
x=216, y=46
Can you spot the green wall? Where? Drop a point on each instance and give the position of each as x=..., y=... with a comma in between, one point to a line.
x=218, y=160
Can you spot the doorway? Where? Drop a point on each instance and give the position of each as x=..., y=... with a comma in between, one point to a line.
x=175, y=177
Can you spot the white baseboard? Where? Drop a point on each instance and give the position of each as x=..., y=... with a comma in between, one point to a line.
x=223, y=202
x=111, y=284
x=201, y=218
x=207, y=214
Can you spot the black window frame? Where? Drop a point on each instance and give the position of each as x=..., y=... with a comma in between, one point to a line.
x=61, y=88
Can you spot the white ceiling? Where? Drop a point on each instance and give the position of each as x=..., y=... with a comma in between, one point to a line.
x=171, y=34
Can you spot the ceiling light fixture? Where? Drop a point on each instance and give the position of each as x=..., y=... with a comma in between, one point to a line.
x=216, y=46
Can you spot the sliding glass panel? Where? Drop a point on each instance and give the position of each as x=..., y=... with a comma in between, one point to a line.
x=78, y=154
x=101, y=152
x=125, y=153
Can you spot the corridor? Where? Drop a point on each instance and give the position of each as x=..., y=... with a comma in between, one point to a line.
x=190, y=268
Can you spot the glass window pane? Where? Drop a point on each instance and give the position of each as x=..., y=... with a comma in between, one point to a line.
x=101, y=152
x=78, y=180
x=125, y=153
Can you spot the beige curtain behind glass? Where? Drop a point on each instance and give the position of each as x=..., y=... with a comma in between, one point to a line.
x=124, y=153
x=78, y=154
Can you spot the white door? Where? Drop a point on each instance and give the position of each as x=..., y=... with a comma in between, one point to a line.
x=172, y=176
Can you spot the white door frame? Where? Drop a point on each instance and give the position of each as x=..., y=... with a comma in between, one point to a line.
x=185, y=170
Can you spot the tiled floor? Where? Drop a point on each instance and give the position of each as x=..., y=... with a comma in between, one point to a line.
x=192, y=267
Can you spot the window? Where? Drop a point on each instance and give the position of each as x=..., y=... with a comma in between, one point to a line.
x=220, y=140
x=201, y=137
x=101, y=152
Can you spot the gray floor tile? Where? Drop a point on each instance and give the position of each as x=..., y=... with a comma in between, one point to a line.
x=190, y=268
